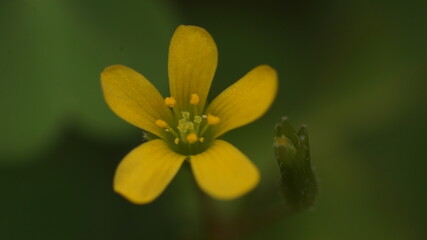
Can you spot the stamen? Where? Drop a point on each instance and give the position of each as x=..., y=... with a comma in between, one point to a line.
x=176, y=141
x=170, y=101
x=192, y=138
x=201, y=139
x=194, y=99
x=212, y=120
x=161, y=123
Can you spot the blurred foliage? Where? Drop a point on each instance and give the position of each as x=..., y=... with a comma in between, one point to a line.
x=354, y=71
x=53, y=53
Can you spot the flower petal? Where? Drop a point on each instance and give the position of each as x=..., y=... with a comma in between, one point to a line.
x=244, y=101
x=132, y=97
x=146, y=171
x=192, y=63
x=223, y=171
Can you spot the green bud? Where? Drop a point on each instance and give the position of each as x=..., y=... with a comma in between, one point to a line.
x=292, y=152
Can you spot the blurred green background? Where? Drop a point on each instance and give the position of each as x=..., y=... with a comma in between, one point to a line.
x=353, y=71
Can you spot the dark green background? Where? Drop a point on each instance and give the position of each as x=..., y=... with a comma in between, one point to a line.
x=353, y=71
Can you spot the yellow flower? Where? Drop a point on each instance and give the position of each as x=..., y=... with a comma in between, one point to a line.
x=186, y=130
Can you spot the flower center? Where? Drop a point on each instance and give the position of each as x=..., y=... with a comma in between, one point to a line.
x=188, y=133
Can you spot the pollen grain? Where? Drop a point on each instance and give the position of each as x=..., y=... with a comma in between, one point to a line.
x=170, y=101
x=161, y=123
x=212, y=120
x=194, y=99
x=192, y=138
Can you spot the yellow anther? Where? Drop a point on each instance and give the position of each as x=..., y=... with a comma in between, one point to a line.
x=176, y=141
x=170, y=101
x=194, y=99
x=161, y=123
x=192, y=138
x=212, y=120
x=201, y=139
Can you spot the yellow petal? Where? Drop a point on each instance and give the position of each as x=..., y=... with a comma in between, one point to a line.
x=223, y=171
x=132, y=97
x=146, y=171
x=192, y=63
x=244, y=101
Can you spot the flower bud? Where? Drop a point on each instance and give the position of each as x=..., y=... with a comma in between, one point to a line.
x=292, y=152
